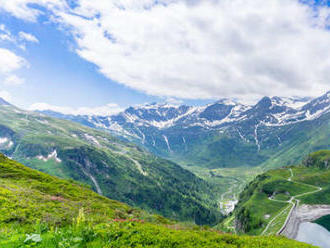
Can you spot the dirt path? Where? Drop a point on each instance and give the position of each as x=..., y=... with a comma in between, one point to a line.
x=294, y=204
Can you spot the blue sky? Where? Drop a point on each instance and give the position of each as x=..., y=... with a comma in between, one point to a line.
x=58, y=76
x=171, y=50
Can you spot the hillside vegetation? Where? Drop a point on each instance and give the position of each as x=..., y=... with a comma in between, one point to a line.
x=38, y=210
x=113, y=168
x=265, y=203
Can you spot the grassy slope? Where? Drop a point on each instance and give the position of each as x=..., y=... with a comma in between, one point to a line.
x=254, y=204
x=60, y=213
x=305, y=138
x=122, y=170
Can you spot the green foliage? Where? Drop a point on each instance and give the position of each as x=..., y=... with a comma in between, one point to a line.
x=38, y=210
x=254, y=204
x=117, y=169
x=28, y=196
x=134, y=234
x=320, y=159
x=324, y=221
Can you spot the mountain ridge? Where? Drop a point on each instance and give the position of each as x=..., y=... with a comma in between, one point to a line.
x=114, y=168
x=171, y=131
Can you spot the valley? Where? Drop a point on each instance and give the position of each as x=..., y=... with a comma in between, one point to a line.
x=164, y=123
x=234, y=190
x=38, y=210
x=114, y=168
x=229, y=183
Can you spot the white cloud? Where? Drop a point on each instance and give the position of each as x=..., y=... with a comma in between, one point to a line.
x=9, y=61
x=174, y=101
x=199, y=48
x=28, y=37
x=5, y=95
x=19, y=40
x=13, y=80
x=108, y=109
x=5, y=34
x=25, y=9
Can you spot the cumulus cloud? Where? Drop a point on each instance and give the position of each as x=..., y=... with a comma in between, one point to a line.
x=10, y=62
x=27, y=9
x=108, y=109
x=199, y=48
x=28, y=37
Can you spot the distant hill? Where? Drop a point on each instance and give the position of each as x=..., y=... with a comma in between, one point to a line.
x=266, y=202
x=114, y=168
x=227, y=133
x=38, y=210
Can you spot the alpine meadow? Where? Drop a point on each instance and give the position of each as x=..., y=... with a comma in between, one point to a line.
x=164, y=123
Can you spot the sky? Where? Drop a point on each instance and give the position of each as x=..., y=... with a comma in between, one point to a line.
x=101, y=56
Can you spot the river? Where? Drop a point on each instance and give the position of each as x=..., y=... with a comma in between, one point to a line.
x=314, y=234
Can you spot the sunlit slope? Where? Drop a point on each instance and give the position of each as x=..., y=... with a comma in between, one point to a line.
x=38, y=210
x=266, y=202
x=113, y=168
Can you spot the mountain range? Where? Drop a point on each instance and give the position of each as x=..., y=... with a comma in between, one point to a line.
x=112, y=167
x=274, y=132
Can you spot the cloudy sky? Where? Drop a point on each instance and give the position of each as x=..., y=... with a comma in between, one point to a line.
x=103, y=55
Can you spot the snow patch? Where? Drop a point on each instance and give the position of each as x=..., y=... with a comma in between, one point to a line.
x=241, y=135
x=167, y=143
x=143, y=138
x=52, y=155
x=6, y=141
x=256, y=136
x=3, y=140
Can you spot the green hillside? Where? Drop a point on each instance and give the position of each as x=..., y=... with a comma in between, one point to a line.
x=265, y=203
x=116, y=169
x=38, y=210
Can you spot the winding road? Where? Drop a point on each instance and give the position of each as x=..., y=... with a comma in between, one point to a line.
x=293, y=202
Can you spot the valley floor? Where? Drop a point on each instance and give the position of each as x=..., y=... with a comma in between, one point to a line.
x=229, y=183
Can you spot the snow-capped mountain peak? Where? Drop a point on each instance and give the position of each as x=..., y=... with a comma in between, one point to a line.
x=140, y=121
